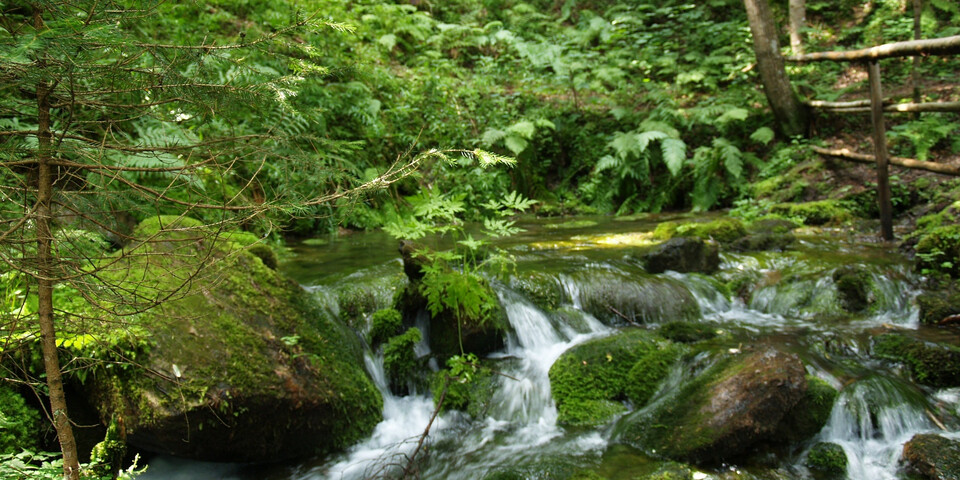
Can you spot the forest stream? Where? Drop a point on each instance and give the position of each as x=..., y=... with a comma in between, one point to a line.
x=791, y=304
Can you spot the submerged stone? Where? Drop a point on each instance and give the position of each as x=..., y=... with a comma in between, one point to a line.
x=932, y=457
x=242, y=367
x=617, y=298
x=854, y=288
x=724, y=412
x=683, y=254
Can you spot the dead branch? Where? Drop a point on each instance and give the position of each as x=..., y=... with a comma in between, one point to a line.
x=898, y=161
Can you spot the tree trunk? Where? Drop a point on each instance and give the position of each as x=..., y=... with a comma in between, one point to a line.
x=45, y=259
x=917, y=35
x=791, y=114
x=798, y=21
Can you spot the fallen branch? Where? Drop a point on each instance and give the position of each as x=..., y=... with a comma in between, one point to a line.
x=627, y=319
x=839, y=107
x=949, y=319
x=932, y=46
x=844, y=153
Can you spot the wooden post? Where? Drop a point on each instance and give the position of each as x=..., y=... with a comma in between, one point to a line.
x=880, y=150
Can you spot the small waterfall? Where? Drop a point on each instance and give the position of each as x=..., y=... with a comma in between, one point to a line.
x=871, y=420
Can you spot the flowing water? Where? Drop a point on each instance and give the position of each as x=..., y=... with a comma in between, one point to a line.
x=792, y=303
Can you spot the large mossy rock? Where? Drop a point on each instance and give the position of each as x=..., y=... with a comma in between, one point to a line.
x=590, y=381
x=242, y=364
x=615, y=297
x=933, y=364
x=932, y=457
x=722, y=413
x=939, y=307
x=683, y=254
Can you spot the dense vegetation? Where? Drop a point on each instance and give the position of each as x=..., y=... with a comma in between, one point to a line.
x=608, y=107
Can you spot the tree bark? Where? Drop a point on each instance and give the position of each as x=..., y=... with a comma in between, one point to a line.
x=917, y=35
x=45, y=260
x=790, y=113
x=798, y=22
x=941, y=168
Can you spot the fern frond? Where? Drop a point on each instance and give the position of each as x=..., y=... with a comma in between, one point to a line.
x=674, y=154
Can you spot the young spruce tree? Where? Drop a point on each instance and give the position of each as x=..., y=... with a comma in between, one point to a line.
x=113, y=112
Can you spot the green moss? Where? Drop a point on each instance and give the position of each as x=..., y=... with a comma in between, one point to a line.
x=589, y=380
x=570, y=225
x=153, y=225
x=810, y=414
x=384, y=324
x=936, y=365
x=19, y=423
x=645, y=375
x=821, y=212
x=723, y=230
x=827, y=459
x=106, y=458
x=266, y=255
x=400, y=359
x=355, y=303
x=932, y=456
x=781, y=188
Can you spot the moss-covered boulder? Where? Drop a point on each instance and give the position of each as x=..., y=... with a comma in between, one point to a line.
x=932, y=457
x=543, y=289
x=723, y=412
x=384, y=323
x=809, y=415
x=933, y=364
x=473, y=397
x=242, y=365
x=939, y=308
x=827, y=460
x=617, y=298
x=854, y=288
x=683, y=254
x=590, y=381
x=822, y=212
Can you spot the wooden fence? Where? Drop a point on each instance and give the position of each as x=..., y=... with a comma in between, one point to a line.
x=875, y=105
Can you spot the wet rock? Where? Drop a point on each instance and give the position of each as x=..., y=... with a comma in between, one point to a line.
x=932, y=457
x=810, y=414
x=543, y=289
x=771, y=226
x=820, y=212
x=414, y=259
x=764, y=242
x=933, y=364
x=854, y=287
x=590, y=380
x=618, y=299
x=688, y=332
x=683, y=254
x=939, y=308
x=248, y=368
x=723, y=412
x=827, y=460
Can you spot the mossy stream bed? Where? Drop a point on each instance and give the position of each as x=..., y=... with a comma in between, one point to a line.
x=822, y=301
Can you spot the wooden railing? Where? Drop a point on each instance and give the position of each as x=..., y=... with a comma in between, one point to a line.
x=875, y=105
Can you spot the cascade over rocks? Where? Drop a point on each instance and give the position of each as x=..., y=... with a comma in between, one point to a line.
x=244, y=366
x=724, y=412
x=684, y=254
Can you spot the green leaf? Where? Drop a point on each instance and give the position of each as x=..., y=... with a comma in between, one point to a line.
x=644, y=139
x=733, y=114
x=763, y=135
x=492, y=136
x=388, y=41
x=731, y=155
x=515, y=144
x=524, y=129
x=674, y=154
